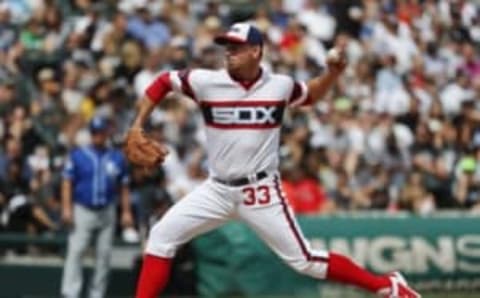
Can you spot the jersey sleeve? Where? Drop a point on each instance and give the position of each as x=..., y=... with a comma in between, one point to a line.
x=182, y=82
x=299, y=95
x=159, y=88
x=178, y=81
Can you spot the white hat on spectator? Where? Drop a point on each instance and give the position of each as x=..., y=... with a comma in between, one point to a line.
x=212, y=23
x=403, y=134
x=320, y=140
x=178, y=42
x=46, y=74
x=129, y=6
x=140, y=4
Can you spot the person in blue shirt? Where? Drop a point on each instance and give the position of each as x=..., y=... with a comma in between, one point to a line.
x=151, y=32
x=93, y=177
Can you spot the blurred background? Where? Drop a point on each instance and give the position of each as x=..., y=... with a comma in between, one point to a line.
x=386, y=168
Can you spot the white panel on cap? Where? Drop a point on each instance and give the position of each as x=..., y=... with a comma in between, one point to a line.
x=239, y=31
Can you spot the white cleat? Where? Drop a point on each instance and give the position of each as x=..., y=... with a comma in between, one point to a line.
x=398, y=289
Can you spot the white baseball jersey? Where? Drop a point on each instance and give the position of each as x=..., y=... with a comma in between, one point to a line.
x=242, y=121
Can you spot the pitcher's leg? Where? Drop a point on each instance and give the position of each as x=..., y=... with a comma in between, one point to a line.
x=198, y=212
x=276, y=225
x=202, y=210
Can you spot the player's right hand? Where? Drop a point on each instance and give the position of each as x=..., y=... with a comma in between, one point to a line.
x=142, y=150
x=337, y=59
x=67, y=217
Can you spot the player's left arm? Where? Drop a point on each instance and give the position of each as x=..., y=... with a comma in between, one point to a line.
x=139, y=148
x=178, y=81
x=318, y=87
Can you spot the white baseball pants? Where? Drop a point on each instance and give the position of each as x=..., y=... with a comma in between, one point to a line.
x=261, y=205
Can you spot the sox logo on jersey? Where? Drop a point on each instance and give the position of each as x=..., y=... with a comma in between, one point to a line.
x=251, y=114
x=243, y=115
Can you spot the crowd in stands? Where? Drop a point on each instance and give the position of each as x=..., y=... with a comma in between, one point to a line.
x=400, y=131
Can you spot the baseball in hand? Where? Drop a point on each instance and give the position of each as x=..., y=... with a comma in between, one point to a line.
x=333, y=55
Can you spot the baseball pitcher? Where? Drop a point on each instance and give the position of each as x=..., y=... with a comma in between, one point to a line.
x=242, y=106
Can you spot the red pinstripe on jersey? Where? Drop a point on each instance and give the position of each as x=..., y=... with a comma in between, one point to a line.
x=296, y=92
x=293, y=227
x=186, y=87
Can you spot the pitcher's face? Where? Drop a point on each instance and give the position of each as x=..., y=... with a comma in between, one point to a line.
x=241, y=55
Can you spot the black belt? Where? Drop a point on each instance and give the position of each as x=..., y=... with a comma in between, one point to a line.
x=93, y=207
x=243, y=181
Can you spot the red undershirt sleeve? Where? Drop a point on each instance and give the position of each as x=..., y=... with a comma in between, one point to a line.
x=159, y=88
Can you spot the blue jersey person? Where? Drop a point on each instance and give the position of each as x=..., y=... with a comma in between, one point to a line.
x=93, y=177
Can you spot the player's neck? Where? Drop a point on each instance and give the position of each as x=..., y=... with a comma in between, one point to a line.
x=246, y=74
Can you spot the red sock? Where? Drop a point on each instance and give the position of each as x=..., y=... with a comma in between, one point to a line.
x=154, y=276
x=342, y=269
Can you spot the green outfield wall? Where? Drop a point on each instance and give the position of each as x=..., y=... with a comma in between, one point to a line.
x=436, y=253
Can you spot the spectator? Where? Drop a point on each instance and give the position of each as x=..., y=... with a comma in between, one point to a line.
x=12, y=153
x=33, y=35
x=455, y=93
x=113, y=35
x=20, y=212
x=318, y=22
x=466, y=185
x=152, y=67
x=471, y=67
x=25, y=216
x=304, y=193
x=57, y=30
x=14, y=183
x=131, y=54
x=48, y=92
x=414, y=197
x=343, y=193
x=8, y=32
x=144, y=27
x=391, y=96
x=7, y=95
x=439, y=181
x=97, y=102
